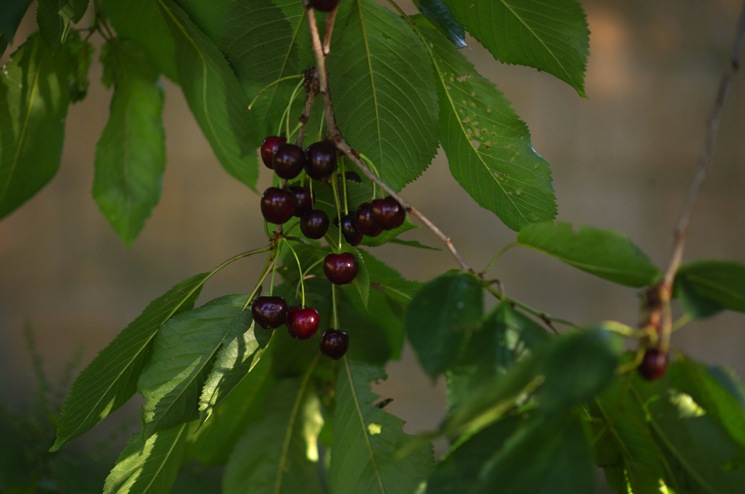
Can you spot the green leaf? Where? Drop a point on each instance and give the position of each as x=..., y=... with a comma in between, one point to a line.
x=182, y=355
x=148, y=29
x=708, y=286
x=82, y=54
x=130, y=155
x=52, y=26
x=34, y=96
x=148, y=463
x=383, y=90
x=439, y=14
x=366, y=439
x=214, y=96
x=111, y=378
x=278, y=454
x=487, y=145
x=440, y=318
x=209, y=17
x=10, y=17
x=361, y=281
x=604, y=253
x=549, y=36
x=73, y=10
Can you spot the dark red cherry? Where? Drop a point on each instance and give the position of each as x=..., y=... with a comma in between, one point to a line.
x=388, y=213
x=352, y=177
x=302, y=323
x=654, y=364
x=349, y=229
x=314, y=224
x=324, y=5
x=269, y=149
x=269, y=312
x=304, y=199
x=277, y=205
x=320, y=160
x=365, y=221
x=334, y=343
x=340, y=269
x=288, y=160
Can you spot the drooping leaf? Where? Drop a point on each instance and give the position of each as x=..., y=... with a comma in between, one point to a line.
x=549, y=36
x=54, y=18
x=366, y=439
x=130, y=155
x=214, y=96
x=82, y=56
x=148, y=463
x=706, y=287
x=33, y=105
x=439, y=14
x=383, y=91
x=440, y=318
x=488, y=146
x=111, y=378
x=182, y=355
x=604, y=253
x=277, y=454
x=10, y=17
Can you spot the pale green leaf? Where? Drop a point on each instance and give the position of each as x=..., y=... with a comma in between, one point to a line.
x=130, y=154
x=111, y=378
x=487, y=145
x=366, y=440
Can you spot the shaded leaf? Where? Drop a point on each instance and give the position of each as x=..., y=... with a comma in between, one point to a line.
x=708, y=286
x=111, y=378
x=439, y=14
x=487, y=145
x=604, y=253
x=10, y=18
x=130, y=154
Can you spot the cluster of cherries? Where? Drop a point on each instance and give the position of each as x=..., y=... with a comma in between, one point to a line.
x=280, y=204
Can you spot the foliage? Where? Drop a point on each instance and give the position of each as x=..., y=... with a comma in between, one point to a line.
x=530, y=408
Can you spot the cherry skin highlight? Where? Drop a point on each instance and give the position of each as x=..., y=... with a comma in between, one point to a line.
x=277, y=205
x=269, y=312
x=314, y=224
x=303, y=322
x=320, y=160
x=365, y=221
x=340, y=269
x=304, y=199
x=288, y=161
x=334, y=343
x=349, y=229
x=388, y=213
x=269, y=148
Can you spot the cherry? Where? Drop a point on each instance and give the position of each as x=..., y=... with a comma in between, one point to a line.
x=269, y=148
x=340, y=269
x=352, y=177
x=388, y=213
x=277, y=205
x=349, y=229
x=654, y=364
x=288, y=160
x=304, y=199
x=334, y=343
x=269, y=312
x=314, y=224
x=320, y=160
x=302, y=323
x=324, y=5
x=365, y=221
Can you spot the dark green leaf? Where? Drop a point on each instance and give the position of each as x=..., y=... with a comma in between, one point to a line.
x=604, y=253
x=111, y=378
x=130, y=155
x=72, y=10
x=394, y=124
x=183, y=352
x=705, y=286
x=439, y=14
x=549, y=36
x=82, y=54
x=440, y=318
x=148, y=463
x=33, y=106
x=210, y=17
x=10, y=17
x=277, y=454
x=488, y=146
x=53, y=27
x=366, y=439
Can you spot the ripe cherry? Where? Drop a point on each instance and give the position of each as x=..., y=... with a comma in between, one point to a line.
x=314, y=224
x=349, y=229
x=388, y=213
x=365, y=221
x=302, y=323
x=277, y=205
x=269, y=312
x=304, y=199
x=288, y=160
x=340, y=269
x=269, y=148
x=320, y=160
x=324, y=5
x=654, y=364
x=351, y=176
x=334, y=343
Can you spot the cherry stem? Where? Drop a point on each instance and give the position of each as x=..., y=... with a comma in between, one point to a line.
x=271, y=84
x=300, y=272
x=265, y=270
x=498, y=256
x=334, y=309
x=337, y=205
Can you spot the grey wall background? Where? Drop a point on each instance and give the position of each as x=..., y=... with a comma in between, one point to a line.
x=622, y=159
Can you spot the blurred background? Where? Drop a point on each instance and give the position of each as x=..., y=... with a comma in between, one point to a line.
x=622, y=159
